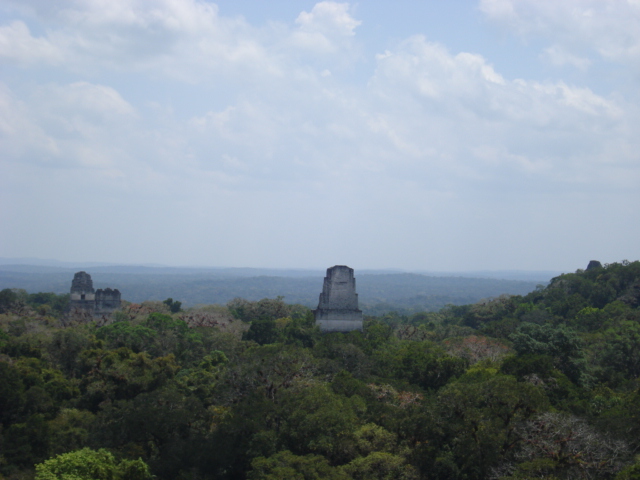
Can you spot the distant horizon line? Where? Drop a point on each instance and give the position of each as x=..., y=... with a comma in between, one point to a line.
x=46, y=262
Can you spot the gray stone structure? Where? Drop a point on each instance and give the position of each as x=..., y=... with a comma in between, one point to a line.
x=593, y=264
x=83, y=296
x=85, y=299
x=338, y=306
x=107, y=301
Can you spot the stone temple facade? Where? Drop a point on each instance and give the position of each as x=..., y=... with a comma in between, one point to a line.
x=85, y=299
x=338, y=306
x=593, y=264
x=107, y=301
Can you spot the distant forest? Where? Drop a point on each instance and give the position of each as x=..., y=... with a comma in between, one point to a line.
x=516, y=387
x=404, y=293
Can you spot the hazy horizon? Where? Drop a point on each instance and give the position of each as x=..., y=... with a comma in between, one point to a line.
x=34, y=264
x=488, y=135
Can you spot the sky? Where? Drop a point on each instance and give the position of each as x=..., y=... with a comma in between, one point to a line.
x=417, y=135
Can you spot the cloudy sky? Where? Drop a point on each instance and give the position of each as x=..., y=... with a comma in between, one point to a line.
x=421, y=135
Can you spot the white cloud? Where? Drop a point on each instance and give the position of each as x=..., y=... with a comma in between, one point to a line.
x=181, y=38
x=461, y=107
x=80, y=125
x=20, y=136
x=610, y=28
x=324, y=37
x=100, y=100
x=447, y=122
x=17, y=44
x=231, y=127
x=557, y=56
x=429, y=70
x=425, y=110
x=328, y=18
x=186, y=39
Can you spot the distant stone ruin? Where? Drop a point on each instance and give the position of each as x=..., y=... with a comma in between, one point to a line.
x=338, y=306
x=107, y=301
x=83, y=296
x=84, y=299
x=593, y=264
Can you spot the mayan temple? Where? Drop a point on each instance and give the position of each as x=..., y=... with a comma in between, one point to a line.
x=85, y=299
x=338, y=306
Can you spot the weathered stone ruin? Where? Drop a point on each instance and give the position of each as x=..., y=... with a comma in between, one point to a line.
x=85, y=299
x=83, y=295
x=338, y=306
x=107, y=301
x=594, y=264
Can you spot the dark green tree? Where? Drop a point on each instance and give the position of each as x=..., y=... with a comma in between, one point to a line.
x=8, y=299
x=262, y=331
x=559, y=342
x=174, y=305
x=287, y=466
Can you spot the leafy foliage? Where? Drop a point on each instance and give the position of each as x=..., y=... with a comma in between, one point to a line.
x=544, y=385
x=88, y=464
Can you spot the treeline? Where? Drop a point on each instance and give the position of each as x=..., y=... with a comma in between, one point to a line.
x=379, y=293
x=542, y=385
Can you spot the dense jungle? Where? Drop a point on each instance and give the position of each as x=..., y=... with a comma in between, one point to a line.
x=541, y=385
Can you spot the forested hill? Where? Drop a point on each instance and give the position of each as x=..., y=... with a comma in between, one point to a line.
x=543, y=385
x=378, y=292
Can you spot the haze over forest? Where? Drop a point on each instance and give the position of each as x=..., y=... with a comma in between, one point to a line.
x=380, y=291
x=420, y=136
